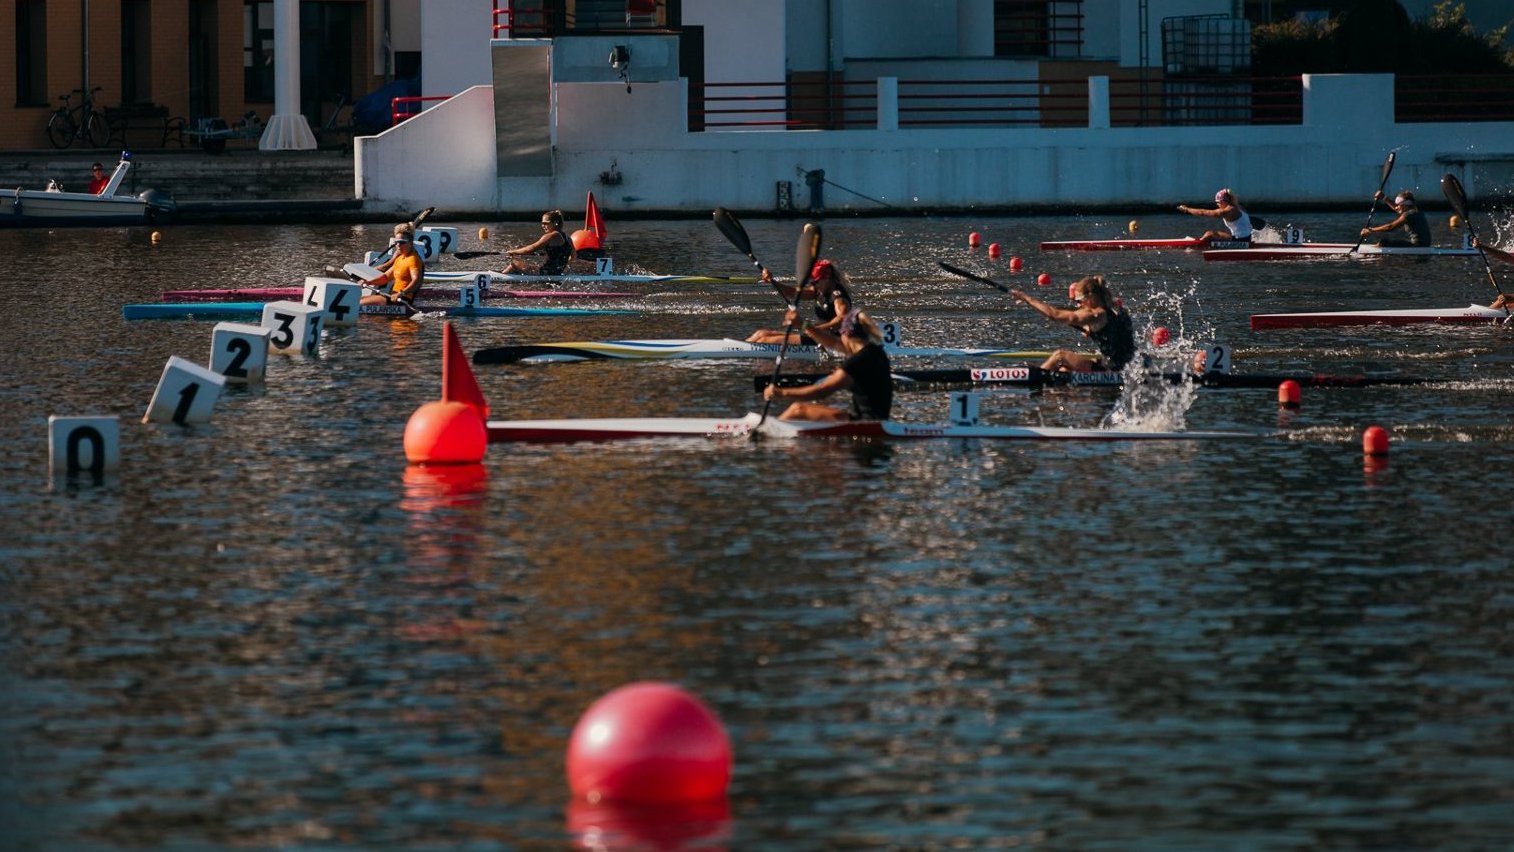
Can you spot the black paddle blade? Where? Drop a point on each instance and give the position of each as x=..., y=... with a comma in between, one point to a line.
x=422, y=217
x=469, y=255
x=805, y=254
x=729, y=225
x=1457, y=196
x=971, y=276
x=1387, y=168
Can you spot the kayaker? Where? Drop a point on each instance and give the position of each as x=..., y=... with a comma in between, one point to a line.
x=1098, y=317
x=1502, y=302
x=1235, y=218
x=865, y=372
x=407, y=231
x=1412, y=227
x=403, y=276
x=553, y=243
x=833, y=299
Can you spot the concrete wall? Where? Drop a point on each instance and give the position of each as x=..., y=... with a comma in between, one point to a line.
x=459, y=30
x=1335, y=157
x=443, y=157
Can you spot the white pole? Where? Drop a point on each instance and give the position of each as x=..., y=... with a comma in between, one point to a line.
x=287, y=130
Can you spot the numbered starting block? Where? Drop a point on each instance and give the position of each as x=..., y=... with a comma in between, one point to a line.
x=83, y=444
x=239, y=352
x=964, y=408
x=337, y=299
x=186, y=394
x=604, y=266
x=294, y=327
x=434, y=242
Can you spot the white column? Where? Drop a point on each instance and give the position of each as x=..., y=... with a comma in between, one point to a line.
x=1098, y=102
x=287, y=130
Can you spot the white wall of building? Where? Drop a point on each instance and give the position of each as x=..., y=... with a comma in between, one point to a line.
x=444, y=157
x=743, y=41
x=458, y=31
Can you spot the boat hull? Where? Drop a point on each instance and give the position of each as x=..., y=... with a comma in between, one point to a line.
x=1033, y=377
x=705, y=349
x=1333, y=251
x=274, y=294
x=1182, y=243
x=224, y=310
x=36, y=208
x=498, y=278
x=1412, y=316
x=618, y=429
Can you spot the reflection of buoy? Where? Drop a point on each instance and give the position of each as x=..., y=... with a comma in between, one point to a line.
x=615, y=825
x=483, y=234
x=973, y=240
x=1015, y=263
x=1160, y=335
x=445, y=432
x=1044, y=280
x=1289, y=394
x=1455, y=222
x=157, y=237
x=649, y=743
x=1133, y=226
x=994, y=250
x=1375, y=441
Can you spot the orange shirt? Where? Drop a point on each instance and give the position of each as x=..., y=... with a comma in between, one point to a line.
x=406, y=276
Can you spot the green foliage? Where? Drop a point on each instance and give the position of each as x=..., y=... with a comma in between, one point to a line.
x=1377, y=36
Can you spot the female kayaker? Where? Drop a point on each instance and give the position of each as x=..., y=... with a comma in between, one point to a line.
x=1229, y=210
x=403, y=276
x=1098, y=317
x=832, y=301
x=865, y=372
x=553, y=243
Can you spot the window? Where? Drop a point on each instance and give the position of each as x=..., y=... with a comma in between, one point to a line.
x=136, y=52
x=257, y=51
x=31, y=53
x=1038, y=28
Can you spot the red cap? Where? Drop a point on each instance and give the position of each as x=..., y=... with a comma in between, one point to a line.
x=821, y=269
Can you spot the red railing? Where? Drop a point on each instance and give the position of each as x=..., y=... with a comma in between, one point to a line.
x=1467, y=97
x=524, y=19
x=409, y=107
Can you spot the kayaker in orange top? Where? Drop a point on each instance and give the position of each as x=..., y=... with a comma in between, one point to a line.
x=404, y=276
x=1229, y=211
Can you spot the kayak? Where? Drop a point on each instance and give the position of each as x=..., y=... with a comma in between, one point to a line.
x=1319, y=251
x=622, y=428
x=213, y=310
x=703, y=349
x=274, y=294
x=1469, y=314
x=1031, y=376
x=1132, y=243
x=463, y=277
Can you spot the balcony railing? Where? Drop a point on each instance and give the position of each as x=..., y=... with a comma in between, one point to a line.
x=409, y=107
x=1468, y=97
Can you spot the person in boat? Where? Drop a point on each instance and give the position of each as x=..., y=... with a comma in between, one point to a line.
x=1229, y=211
x=833, y=299
x=1503, y=302
x=865, y=372
x=1410, y=228
x=403, y=276
x=553, y=243
x=403, y=231
x=98, y=179
x=1098, y=317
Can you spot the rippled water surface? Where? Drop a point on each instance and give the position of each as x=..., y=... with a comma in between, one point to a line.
x=268, y=631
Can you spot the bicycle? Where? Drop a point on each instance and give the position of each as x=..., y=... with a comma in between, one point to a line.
x=79, y=122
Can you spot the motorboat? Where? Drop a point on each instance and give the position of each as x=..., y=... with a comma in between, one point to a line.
x=55, y=207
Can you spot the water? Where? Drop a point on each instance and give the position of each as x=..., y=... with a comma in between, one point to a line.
x=267, y=631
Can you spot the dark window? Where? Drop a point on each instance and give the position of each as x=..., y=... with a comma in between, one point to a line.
x=31, y=53
x=257, y=51
x=136, y=52
x=1038, y=28
x=204, y=94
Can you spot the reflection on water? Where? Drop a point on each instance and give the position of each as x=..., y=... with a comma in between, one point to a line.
x=268, y=630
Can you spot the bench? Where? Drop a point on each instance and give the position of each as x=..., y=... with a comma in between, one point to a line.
x=144, y=118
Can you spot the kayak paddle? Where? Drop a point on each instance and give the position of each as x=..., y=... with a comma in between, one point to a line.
x=1387, y=170
x=804, y=260
x=1458, y=198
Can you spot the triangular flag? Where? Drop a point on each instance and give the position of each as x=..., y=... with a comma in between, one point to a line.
x=458, y=382
x=592, y=220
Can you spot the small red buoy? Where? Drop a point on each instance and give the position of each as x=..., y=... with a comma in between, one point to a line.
x=1160, y=335
x=443, y=432
x=973, y=240
x=1375, y=441
x=1015, y=263
x=994, y=250
x=1289, y=394
x=649, y=743
x=1044, y=280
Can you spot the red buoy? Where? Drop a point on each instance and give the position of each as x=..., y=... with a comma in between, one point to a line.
x=994, y=251
x=649, y=743
x=586, y=240
x=444, y=432
x=1015, y=263
x=1375, y=441
x=974, y=240
x=1044, y=280
x=1160, y=335
x=1289, y=395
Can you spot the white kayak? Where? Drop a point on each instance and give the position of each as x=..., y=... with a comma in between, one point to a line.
x=1408, y=316
x=1328, y=251
x=623, y=428
x=693, y=348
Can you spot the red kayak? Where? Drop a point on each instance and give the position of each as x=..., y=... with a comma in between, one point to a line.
x=1469, y=314
x=274, y=294
x=1125, y=244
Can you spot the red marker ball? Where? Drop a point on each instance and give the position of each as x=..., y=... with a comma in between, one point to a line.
x=1160, y=336
x=994, y=250
x=973, y=240
x=1289, y=394
x=1375, y=441
x=1044, y=280
x=1015, y=263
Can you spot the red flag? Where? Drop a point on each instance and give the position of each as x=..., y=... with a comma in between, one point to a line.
x=592, y=220
x=458, y=383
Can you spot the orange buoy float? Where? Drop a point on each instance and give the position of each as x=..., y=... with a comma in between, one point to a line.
x=446, y=432
x=974, y=240
x=1133, y=226
x=483, y=235
x=994, y=251
x=1015, y=263
x=586, y=240
x=1455, y=223
x=1289, y=394
x=1160, y=335
x=1375, y=441
x=649, y=743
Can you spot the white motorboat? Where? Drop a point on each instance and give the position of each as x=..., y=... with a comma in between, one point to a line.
x=54, y=207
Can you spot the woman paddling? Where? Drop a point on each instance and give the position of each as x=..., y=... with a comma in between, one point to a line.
x=553, y=243
x=1412, y=225
x=1098, y=317
x=865, y=372
x=832, y=302
x=1229, y=211
x=403, y=276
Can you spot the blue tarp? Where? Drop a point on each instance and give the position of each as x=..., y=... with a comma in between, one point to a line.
x=373, y=109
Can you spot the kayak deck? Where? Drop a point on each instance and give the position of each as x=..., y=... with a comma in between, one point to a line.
x=211, y=310
x=696, y=348
x=1409, y=316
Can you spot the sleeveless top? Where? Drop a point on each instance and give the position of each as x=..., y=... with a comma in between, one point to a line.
x=1241, y=227
x=1418, y=226
x=872, y=383
x=825, y=300
x=558, y=255
x=1116, y=339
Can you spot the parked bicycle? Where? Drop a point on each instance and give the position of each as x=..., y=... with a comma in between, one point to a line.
x=82, y=122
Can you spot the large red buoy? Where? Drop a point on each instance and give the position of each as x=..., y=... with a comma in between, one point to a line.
x=994, y=251
x=445, y=432
x=586, y=240
x=1375, y=441
x=974, y=240
x=1044, y=280
x=1289, y=395
x=649, y=743
x=1015, y=263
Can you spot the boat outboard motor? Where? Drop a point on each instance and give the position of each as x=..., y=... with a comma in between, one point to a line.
x=160, y=205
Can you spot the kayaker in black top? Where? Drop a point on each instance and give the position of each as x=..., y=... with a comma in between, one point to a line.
x=1412, y=226
x=865, y=372
x=553, y=243
x=832, y=300
x=1503, y=301
x=1098, y=317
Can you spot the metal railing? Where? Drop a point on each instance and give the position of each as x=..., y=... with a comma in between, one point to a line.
x=1467, y=97
x=409, y=106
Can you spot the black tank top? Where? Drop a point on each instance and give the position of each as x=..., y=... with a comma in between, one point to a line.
x=558, y=255
x=1116, y=339
x=825, y=300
